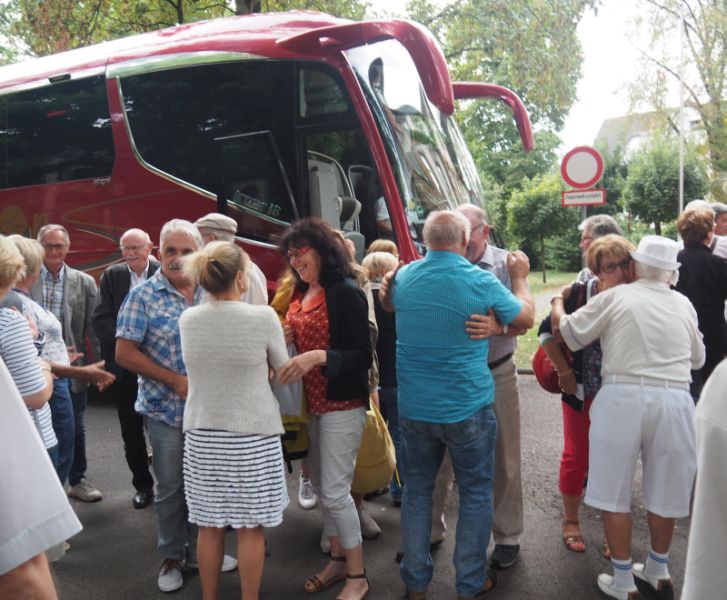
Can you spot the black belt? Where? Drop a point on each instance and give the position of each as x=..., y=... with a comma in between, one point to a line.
x=500, y=361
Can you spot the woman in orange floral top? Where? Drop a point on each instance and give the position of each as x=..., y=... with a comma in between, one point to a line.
x=328, y=321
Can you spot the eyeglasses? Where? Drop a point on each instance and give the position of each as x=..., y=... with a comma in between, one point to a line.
x=298, y=252
x=609, y=268
x=56, y=247
x=134, y=248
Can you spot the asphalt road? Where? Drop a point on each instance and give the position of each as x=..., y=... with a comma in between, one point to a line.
x=115, y=557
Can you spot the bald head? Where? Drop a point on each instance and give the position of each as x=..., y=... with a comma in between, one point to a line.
x=447, y=230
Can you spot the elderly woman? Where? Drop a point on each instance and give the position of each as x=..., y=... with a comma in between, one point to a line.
x=650, y=342
x=244, y=486
x=703, y=279
x=609, y=261
x=328, y=320
x=55, y=352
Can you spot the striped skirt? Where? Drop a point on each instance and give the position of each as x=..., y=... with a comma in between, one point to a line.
x=234, y=479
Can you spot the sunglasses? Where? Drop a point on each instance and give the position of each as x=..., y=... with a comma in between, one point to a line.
x=298, y=252
x=609, y=268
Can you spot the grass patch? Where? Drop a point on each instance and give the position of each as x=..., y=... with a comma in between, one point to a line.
x=555, y=280
x=527, y=344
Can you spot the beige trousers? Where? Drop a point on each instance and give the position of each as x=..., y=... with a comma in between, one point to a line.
x=507, y=523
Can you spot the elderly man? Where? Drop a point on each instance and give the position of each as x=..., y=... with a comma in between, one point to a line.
x=720, y=218
x=116, y=282
x=71, y=296
x=446, y=393
x=216, y=226
x=507, y=522
x=650, y=341
x=148, y=343
x=592, y=228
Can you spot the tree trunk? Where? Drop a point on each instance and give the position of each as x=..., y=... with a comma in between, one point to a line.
x=657, y=228
x=246, y=7
x=542, y=256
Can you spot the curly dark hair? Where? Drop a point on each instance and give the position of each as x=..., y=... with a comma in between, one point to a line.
x=317, y=234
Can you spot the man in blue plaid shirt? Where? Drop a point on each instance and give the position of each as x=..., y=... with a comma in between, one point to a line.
x=148, y=343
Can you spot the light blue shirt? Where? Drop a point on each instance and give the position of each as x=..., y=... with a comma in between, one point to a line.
x=439, y=368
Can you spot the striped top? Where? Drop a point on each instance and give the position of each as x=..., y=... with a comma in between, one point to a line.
x=21, y=358
x=441, y=371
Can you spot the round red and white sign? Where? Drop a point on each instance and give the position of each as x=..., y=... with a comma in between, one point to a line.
x=582, y=167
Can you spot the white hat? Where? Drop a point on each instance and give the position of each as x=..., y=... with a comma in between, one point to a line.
x=658, y=252
x=217, y=221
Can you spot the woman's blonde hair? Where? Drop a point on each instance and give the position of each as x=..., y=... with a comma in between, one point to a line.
x=31, y=251
x=12, y=265
x=694, y=224
x=383, y=246
x=379, y=264
x=216, y=266
x=607, y=246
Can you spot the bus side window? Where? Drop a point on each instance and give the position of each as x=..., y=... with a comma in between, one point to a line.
x=59, y=132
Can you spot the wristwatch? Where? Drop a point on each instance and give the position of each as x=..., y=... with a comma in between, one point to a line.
x=505, y=329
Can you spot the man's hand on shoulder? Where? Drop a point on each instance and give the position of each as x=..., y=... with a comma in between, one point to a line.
x=385, y=296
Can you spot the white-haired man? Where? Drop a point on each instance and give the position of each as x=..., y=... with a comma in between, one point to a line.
x=116, y=281
x=216, y=226
x=148, y=343
x=650, y=342
x=592, y=228
x=71, y=296
x=446, y=393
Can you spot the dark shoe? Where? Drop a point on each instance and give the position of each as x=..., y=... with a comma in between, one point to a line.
x=504, y=556
x=658, y=589
x=415, y=595
x=143, y=498
x=490, y=584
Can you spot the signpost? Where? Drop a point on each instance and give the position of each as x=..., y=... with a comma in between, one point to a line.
x=581, y=168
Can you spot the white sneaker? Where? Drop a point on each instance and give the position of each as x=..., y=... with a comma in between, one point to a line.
x=85, y=492
x=605, y=584
x=325, y=543
x=306, y=494
x=370, y=530
x=170, y=576
x=652, y=586
x=229, y=563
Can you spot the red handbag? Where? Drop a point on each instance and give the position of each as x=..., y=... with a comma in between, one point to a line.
x=545, y=372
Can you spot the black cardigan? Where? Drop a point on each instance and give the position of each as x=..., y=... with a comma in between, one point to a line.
x=349, y=356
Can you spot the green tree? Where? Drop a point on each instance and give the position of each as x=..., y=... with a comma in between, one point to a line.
x=652, y=185
x=42, y=27
x=531, y=47
x=535, y=214
x=705, y=47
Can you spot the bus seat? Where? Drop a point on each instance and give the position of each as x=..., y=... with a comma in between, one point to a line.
x=358, y=241
x=323, y=193
x=349, y=208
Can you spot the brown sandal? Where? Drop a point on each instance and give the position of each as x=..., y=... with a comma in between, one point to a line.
x=315, y=584
x=574, y=543
x=359, y=576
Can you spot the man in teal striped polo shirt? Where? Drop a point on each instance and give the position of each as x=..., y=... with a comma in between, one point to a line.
x=445, y=395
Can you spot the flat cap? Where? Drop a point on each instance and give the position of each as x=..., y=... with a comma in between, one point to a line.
x=217, y=221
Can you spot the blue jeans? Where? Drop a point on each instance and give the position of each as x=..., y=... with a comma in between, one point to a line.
x=390, y=412
x=176, y=536
x=471, y=446
x=78, y=466
x=61, y=408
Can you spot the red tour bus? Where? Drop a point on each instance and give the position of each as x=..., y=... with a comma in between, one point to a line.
x=266, y=118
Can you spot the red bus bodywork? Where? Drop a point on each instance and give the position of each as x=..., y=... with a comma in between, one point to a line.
x=97, y=211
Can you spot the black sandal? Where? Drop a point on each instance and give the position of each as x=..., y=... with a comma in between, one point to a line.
x=315, y=584
x=359, y=576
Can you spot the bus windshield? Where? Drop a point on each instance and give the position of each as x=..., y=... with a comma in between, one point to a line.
x=433, y=168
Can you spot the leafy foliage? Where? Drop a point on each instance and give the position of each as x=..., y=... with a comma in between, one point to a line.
x=536, y=214
x=652, y=185
x=705, y=80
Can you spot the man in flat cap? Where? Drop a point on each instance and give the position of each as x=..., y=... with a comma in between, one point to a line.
x=216, y=226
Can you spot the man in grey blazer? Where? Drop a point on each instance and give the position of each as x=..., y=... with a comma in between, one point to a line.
x=71, y=296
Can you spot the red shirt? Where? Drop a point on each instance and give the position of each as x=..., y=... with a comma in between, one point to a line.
x=310, y=324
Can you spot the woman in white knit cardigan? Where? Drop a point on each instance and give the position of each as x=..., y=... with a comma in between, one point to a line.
x=233, y=460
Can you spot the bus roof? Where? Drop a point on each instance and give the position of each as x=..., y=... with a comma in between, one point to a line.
x=261, y=34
